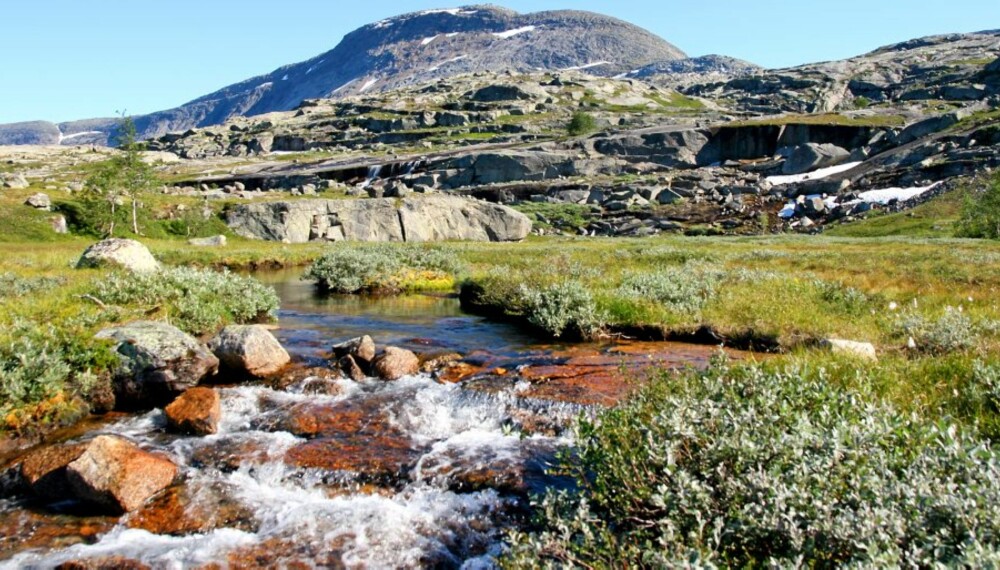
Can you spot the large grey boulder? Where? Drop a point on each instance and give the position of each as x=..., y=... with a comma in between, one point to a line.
x=509, y=92
x=674, y=149
x=811, y=156
x=39, y=201
x=121, y=253
x=394, y=363
x=157, y=362
x=249, y=349
x=414, y=219
x=16, y=182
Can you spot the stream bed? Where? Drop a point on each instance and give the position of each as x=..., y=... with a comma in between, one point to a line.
x=320, y=471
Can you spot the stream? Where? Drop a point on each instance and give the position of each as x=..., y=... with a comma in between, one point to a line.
x=319, y=471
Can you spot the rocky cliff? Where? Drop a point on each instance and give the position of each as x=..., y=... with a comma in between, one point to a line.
x=405, y=50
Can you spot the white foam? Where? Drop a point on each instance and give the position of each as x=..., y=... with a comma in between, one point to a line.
x=514, y=32
x=814, y=175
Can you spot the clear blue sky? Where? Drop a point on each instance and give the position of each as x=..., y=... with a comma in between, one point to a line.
x=74, y=59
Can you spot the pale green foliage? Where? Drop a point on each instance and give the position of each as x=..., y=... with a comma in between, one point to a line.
x=683, y=289
x=195, y=300
x=12, y=285
x=354, y=268
x=561, y=308
x=952, y=331
x=768, y=467
x=981, y=211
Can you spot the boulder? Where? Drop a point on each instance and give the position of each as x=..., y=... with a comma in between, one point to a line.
x=157, y=362
x=118, y=476
x=811, y=156
x=214, y=241
x=120, y=253
x=394, y=363
x=505, y=92
x=350, y=367
x=863, y=350
x=39, y=201
x=43, y=470
x=16, y=182
x=59, y=224
x=249, y=349
x=360, y=349
x=196, y=412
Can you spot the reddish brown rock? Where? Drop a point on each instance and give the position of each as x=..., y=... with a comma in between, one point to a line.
x=249, y=349
x=180, y=511
x=115, y=474
x=351, y=369
x=27, y=528
x=394, y=363
x=44, y=470
x=195, y=412
x=105, y=563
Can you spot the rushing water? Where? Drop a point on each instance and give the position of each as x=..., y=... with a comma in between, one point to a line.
x=329, y=472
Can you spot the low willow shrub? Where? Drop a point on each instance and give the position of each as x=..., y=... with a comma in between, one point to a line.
x=951, y=331
x=12, y=285
x=562, y=309
x=196, y=300
x=381, y=268
x=758, y=466
x=684, y=289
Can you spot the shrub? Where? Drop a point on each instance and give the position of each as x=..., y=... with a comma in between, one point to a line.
x=980, y=217
x=382, y=268
x=681, y=289
x=757, y=466
x=195, y=300
x=952, y=331
x=580, y=124
x=12, y=285
x=563, y=308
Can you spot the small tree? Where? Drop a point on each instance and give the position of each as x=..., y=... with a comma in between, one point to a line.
x=580, y=124
x=122, y=178
x=981, y=211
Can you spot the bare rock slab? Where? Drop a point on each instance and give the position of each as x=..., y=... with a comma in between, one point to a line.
x=195, y=412
x=249, y=349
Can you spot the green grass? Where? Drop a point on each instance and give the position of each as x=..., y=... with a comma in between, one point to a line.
x=825, y=119
x=934, y=219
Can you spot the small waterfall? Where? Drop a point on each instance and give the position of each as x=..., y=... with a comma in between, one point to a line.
x=374, y=171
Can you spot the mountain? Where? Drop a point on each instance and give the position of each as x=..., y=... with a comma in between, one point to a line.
x=405, y=50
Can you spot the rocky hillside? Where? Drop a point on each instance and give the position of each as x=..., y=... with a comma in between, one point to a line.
x=405, y=50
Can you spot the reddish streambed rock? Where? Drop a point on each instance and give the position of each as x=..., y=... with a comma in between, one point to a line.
x=394, y=363
x=180, y=511
x=104, y=563
x=116, y=475
x=195, y=412
x=249, y=349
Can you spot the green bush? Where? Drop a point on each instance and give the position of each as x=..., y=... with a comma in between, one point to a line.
x=683, y=289
x=980, y=216
x=12, y=285
x=580, y=124
x=758, y=466
x=564, y=308
x=195, y=300
x=381, y=268
x=952, y=331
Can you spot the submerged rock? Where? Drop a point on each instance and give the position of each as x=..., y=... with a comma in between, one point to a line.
x=196, y=411
x=115, y=474
x=158, y=362
x=249, y=349
x=119, y=253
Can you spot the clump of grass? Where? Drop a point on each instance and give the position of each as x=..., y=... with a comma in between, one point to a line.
x=384, y=268
x=952, y=331
x=12, y=285
x=195, y=300
x=768, y=466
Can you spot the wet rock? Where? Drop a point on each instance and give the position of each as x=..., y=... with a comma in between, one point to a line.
x=182, y=510
x=157, y=362
x=863, y=350
x=214, y=241
x=43, y=471
x=435, y=362
x=394, y=363
x=118, y=476
x=39, y=201
x=119, y=253
x=103, y=563
x=196, y=412
x=349, y=365
x=249, y=349
x=361, y=349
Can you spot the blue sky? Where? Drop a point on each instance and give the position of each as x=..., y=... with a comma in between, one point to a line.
x=74, y=59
